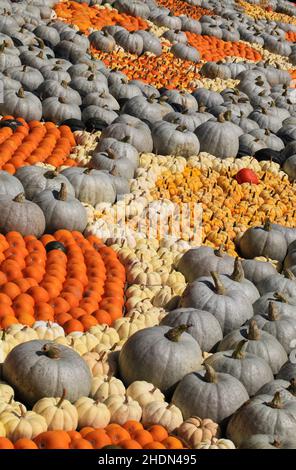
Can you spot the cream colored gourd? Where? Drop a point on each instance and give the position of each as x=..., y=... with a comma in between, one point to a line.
x=123, y=409
x=161, y=412
x=149, y=319
x=6, y=392
x=92, y=413
x=11, y=406
x=24, y=424
x=103, y=387
x=136, y=275
x=127, y=326
x=25, y=334
x=100, y=363
x=163, y=297
x=58, y=413
x=105, y=334
x=48, y=330
x=88, y=340
x=215, y=443
x=196, y=430
x=138, y=291
x=144, y=392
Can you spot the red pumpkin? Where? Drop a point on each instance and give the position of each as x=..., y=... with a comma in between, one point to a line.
x=246, y=175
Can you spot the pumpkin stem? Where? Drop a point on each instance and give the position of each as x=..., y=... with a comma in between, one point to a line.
x=267, y=225
x=238, y=274
x=174, y=334
x=153, y=390
x=50, y=174
x=22, y=410
x=64, y=84
x=240, y=351
x=62, y=194
x=288, y=274
x=219, y=252
x=276, y=402
x=280, y=297
x=219, y=287
x=59, y=404
x=273, y=313
x=51, y=351
x=21, y=93
x=20, y=198
x=254, y=332
x=276, y=443
x=91, y=77
x=3, y=335
x=292, y=387
x=210, y=375
x=87, y=171
x=221, y=117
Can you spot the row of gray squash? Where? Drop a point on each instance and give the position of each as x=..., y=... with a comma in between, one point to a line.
x=37, y=200
x=244, y=312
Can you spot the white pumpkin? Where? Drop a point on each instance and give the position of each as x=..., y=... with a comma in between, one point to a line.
x=144, y=392
x=26, y=424
x=92, y=413
x=104, y=386
x=58, y=413
x=160, y=412
x=123, y=408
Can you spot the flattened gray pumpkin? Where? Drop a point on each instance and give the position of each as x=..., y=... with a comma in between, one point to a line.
x=41, y=368
x=20, y=215
x=260, y=343
x=263, y=241
x=160, y=355
x=229, y=305
x=251, y=370
x=264, y=414
x=209, y=394
x=61, y=210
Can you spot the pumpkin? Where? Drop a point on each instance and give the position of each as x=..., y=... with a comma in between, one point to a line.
x=264, y=414
x=144, y=392
x=37, y=360
x=162, y=413
x=198, y=262
x=25, y=424
x=58, y=413
x=245, y=175
x=202, y=325
x=217, y=444
x=21, y=103
x=230, y=306
x=92, y=413
x=91, y=186
x=219, y=138
x=9, y=185
x=263, y=241
x=260, y=343
x=286, y=388
x=62, y=211
x=123, y=408
x=104, y=386
x=195, y=430
x=21, y=215
x=209, y=394
x=251, y=370
x=280, y=326
x=180, y=354
x=267, y=441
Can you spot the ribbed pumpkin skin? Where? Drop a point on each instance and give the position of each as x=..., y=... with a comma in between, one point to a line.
x=148, y=355
x=33, y=375
x=24, y=217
